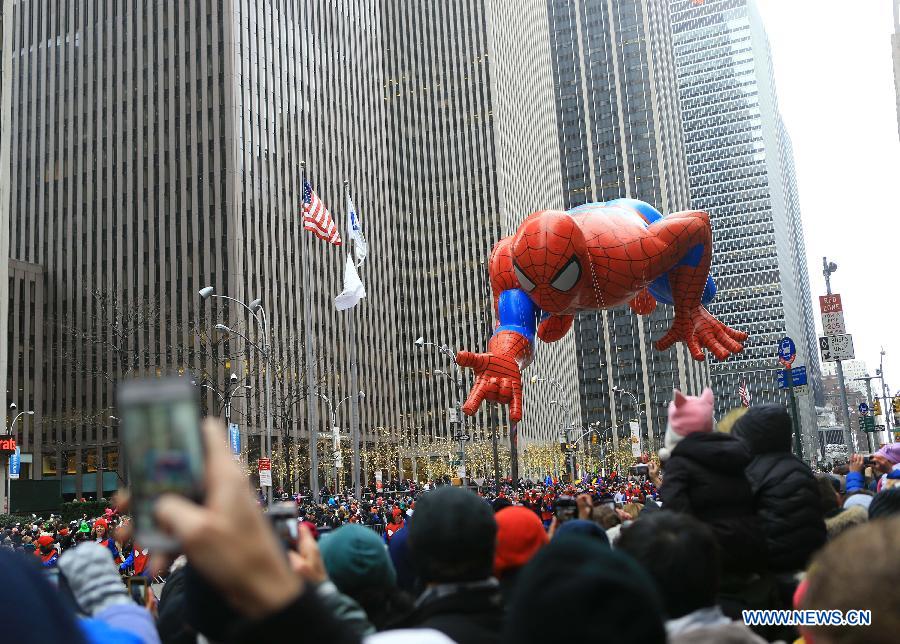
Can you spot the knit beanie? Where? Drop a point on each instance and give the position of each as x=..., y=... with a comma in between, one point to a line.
x=885, y=504
x=520, y=534
x=687, y=415
x=93, y=577
x=355, y=558
x=34, y=610
x=451, y=536
x=608, y=595
x=583, y=527
x=891, y=452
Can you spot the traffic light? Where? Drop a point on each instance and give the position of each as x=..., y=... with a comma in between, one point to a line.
x=594, y=439
x=897, y=405
x=877, y=407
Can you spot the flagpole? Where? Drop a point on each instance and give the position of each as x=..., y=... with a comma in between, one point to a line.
x=354, y=381
x=312, y=410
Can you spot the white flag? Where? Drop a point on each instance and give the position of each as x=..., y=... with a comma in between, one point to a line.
x=353, y=291
x=354, y=230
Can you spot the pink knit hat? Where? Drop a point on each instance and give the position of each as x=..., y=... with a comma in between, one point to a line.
x=891, y=452
x=687, y=415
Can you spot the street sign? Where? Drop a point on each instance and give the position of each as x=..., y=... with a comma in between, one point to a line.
x=836, y=348
x=15, y=464
x=830, y=304
x=787, y=351
x=801, y=390
x=867, y=423
x=833, y=323
x=863, y=408
x=234, y=438
x=264, y=467
x=798, y=376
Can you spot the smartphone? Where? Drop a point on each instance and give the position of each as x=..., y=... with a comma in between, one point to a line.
x=868, y=461
x=640, y=470
x=566, y=509
x=163, y=449
x=138, y=589
x=284, y=521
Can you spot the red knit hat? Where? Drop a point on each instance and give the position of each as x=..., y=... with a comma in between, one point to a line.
x=520, y=534
x=46, y=540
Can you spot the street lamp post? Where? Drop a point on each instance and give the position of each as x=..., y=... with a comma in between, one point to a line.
x=460, y=432
x=7, y=482
x=256, y=311
x=564, y=429
x=637, y=415
x=885, y=399
x=335, y=429
x=827, y=269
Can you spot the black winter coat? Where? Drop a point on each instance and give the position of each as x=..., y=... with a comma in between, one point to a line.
x=466, y=617
x=785, y=494
x=704, y=477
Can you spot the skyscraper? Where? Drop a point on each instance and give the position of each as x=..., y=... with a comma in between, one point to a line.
x=5, y=116
x=157, y=150
x=742, y=172
x=468, y=160
x=620, y=136
x=895, y=45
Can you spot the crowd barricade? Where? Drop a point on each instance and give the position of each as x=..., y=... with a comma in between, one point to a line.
x=378, y=528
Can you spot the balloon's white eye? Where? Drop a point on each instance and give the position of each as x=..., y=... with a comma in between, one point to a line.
x=526, y=284
x=568, y=276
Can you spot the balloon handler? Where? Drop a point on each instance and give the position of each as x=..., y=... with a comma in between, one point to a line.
x=595, y=256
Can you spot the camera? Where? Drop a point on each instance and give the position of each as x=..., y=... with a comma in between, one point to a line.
x=640, y=469
x=566, y=509
x=284, y=521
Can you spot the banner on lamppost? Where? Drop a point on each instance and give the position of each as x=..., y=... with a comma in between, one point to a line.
x=635, y=438
x=265, y=472
x=379, y=482
x=234, y=438
x=15, y=464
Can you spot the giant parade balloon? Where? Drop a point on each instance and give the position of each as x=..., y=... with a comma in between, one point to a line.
x=596, y=256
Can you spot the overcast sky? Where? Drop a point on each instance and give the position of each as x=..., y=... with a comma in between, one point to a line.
x=835, y=78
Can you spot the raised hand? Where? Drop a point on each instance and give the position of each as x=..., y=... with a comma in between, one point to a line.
x=497, y=375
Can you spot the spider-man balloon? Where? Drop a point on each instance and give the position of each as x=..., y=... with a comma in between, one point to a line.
x=596, y=256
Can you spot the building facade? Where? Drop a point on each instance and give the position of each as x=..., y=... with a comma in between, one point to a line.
x=6, y=25
x=742, y=172
x=467, y=161
x=895, y=45
x=620, y=136
x=160, y=148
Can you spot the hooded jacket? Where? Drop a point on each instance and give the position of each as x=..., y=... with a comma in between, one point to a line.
x=704, y=477
x=785, y=494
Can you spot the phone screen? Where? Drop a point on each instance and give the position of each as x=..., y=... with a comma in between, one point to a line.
x=137, y=587
x=163, y=447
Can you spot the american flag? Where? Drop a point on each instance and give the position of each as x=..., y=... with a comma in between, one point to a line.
x=744, y=392
x=316, y=217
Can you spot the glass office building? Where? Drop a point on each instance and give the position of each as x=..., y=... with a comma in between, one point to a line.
x=620, y=136
x=741, y=171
